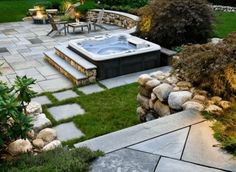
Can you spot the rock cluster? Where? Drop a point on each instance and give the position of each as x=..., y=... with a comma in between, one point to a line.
x=224, y=8
x=162, y=94
x=40, y=139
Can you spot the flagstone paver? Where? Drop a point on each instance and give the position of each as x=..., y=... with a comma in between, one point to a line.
x=55, y=84
x=172, y=165
x=170, y=145
x=65, y=95
x=125, y=160
x=68, y=131
x=201, y=149
x=66, y=111
x=91, y=89
x=42, y=100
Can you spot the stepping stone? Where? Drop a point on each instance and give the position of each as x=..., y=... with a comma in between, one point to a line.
x=200, y=149
x=91, y=89
x=35, y=41
x=125, y=160
x=172, y=165
x=66, y=111
x=68, y=131
x=42, y=100
x=65, y=95
x=170, y=145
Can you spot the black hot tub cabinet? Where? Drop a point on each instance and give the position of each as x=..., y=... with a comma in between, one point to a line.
x=145, y=55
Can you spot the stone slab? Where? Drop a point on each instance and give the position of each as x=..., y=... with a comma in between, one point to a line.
x=42, y=100
x=172, y=165
x=3, y=50
x=55, y=84
x=68, y=131
x=200, y=149
x=125, y=160
x=66, y=111
x=65, y=95
x=91, y=89
x=170, y=145
x=143, y=132
x=35, y=41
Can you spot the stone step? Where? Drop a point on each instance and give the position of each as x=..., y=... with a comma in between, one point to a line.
x=66, y=69
x=76, y=61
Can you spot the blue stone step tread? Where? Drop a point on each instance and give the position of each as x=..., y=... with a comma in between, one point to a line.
x=75, y=57
x=64, y=65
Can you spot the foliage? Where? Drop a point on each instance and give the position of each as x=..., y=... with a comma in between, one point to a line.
x=211, y=67
x=130, y=3
x=13, y=123
x=176, y=22
x=89, y=4
x=60, y=160
x=223, y=2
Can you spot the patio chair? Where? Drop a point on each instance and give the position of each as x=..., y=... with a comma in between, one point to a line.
x=97, y=22
x=57, y=27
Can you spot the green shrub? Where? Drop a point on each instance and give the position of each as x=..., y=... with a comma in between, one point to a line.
x=211, y=67
x=176, y=22
x=60, y=160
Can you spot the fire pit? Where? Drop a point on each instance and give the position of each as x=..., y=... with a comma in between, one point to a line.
x=38, y=15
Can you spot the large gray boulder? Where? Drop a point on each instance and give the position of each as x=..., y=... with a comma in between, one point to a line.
x=40, y=122
x=177, y=99
x=162, y=91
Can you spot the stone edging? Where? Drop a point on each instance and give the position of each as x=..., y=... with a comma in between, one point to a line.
x=121, y=19
x=224, y=8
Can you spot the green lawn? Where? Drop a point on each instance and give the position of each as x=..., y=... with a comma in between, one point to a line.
x=106, y=111
x=224, y=24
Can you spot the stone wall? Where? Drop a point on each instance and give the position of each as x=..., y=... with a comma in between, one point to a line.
x=224, y=8
x=121, y=19
x=161, y=94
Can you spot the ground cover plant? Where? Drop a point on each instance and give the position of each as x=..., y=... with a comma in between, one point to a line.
x=59, y=160
x=105, y=112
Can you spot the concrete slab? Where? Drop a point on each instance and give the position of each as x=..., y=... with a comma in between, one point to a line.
x=172, y=165
x=55, y=84
x=42, y=100
x=65, y=95
x=125, y=160
x=143, y=132
x=66, y=111
x=200, y=149
x=68, y=131
x=91, y=89
x=170, y=145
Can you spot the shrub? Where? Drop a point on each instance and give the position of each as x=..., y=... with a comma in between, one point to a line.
x=176, y=22
x=211, y=67
x=60, y=160
x=131, y=3
x=223, y=2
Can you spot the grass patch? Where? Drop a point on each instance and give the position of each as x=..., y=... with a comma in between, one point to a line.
x=105, y=111
x=225, y=24
x=225, y=128
x=60, y=160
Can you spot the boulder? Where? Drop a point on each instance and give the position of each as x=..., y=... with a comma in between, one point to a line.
x=184, y=84
x=157, y=74
x=176, y=88
x=216, y=99
x=47, y=135
x=161, y=109
x=143, y=79
x=200, y=98
x=200, y=92
x=19, y=146
x=171, y=80
x=152, y=84
x=213, y=109
x=33, y=108
x=144, y=92
x=193, y=105
x=162, y=91
x=40, y=122
x=143, y=101
x=50, y=146
x=30, y=134
x=153, y=97
x=225, y=104
x=140, y=111
x=177, y=99
x=150, y=117
x=38, y=143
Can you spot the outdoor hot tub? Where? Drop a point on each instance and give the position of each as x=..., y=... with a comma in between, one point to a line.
x=117, y=54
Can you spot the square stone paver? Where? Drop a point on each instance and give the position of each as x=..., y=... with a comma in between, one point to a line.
x=3, y=50
x=91, y=89
x=125, y=160
x=66, y=111
x=68, y=131
x=65, y=95
x=170, y=145
x=35, y=41
x=42, y=100
x=55, y=84
x=172, y=165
